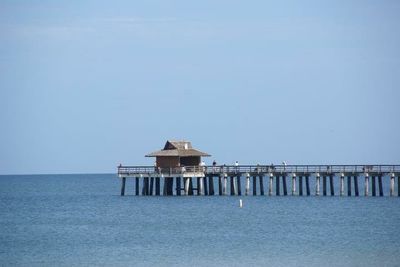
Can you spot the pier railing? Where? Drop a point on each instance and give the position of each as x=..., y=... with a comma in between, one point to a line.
x=262, y=169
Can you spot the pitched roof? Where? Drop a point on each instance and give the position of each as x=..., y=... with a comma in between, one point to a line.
x=178, y=149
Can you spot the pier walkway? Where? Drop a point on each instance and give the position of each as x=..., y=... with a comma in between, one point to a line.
x=213, y=180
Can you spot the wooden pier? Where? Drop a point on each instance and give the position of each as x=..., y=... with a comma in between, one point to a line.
x=214, y=180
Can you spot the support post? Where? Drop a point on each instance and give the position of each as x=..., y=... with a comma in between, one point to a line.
x=324, y=185
x=170, y=186
x=200, y=186
x=205, y=186
x=349, y=186
x=137, y=186
x=190, y=186
x=157, y=186
x=261, y=178
x=211, y=185
x=342, y=184
x=380, y=185
x=239, y=185
x=225, y=184
x=178, y=186
x=186, y=186
x=145, y=191
x=151, y=186
x=147, y=187
x=277, y=184
x=220, y=185
x=247, y=184
x=317, y=181
x=271, y=181
x=331, y=185
x=366, y=185
x=254, y=185
x=123, y=181
x=308, y=184
x=293, y=184
x=284, y=184
x=232, y=186
x=166, y=185
x=235, y=192
x=300, y=185
x=355, y=177
x=392, y=185
x=398, y=185
x=373, y=186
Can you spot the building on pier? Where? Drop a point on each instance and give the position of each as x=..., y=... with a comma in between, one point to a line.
x=177, y=154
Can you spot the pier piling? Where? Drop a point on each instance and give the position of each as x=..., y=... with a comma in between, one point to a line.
x=324, y=185
x=366, y=185
x=239, y=186
x=271, y=184
x=225, y=185
x=247, y=184
x=123, y=181
x=380, y=185
x=137, y=186
x=220, y=185
x=186, y=181
x=170, y=188
x=157, y=186
x=392, y=185
x=349, y=186
x=331, y=185
x=151, y=186
x=277, y=189
x=211, y=185
x=355, y=177
x=398, y=185
x=317, y=183
x=261, y=180
x=178, y=186
x=284, y=184
x=200, y=186
x=300, y=185
x=373, y=186
x=293, y=184
x=342, y=184
x=165, y=185
x=190, y=186
x=145, y=190
x=232, y=186
x=205, y=186
x=308, y=185
x=254, y=185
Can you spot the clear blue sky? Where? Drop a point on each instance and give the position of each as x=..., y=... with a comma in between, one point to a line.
x=86, y=85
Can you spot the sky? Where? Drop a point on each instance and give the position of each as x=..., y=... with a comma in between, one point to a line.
x=87, y=85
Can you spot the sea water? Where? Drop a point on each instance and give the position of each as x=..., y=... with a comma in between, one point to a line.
x=80, y=220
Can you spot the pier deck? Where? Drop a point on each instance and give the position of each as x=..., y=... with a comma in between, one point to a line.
x=152, y=178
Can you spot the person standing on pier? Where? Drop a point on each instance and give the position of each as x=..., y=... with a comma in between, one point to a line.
x=202, y=165
x=155, y=166
x=236, y=166
x=214, y=166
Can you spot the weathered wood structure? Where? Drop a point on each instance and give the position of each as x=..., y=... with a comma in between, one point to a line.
x=177, y=154
x=212, y=180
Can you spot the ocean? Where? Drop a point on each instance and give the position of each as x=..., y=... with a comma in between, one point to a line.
x=80, y=220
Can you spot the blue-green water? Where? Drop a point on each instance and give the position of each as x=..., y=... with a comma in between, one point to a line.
x=75, y=220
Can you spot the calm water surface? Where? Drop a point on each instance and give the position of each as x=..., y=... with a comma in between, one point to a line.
x=80, y=220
